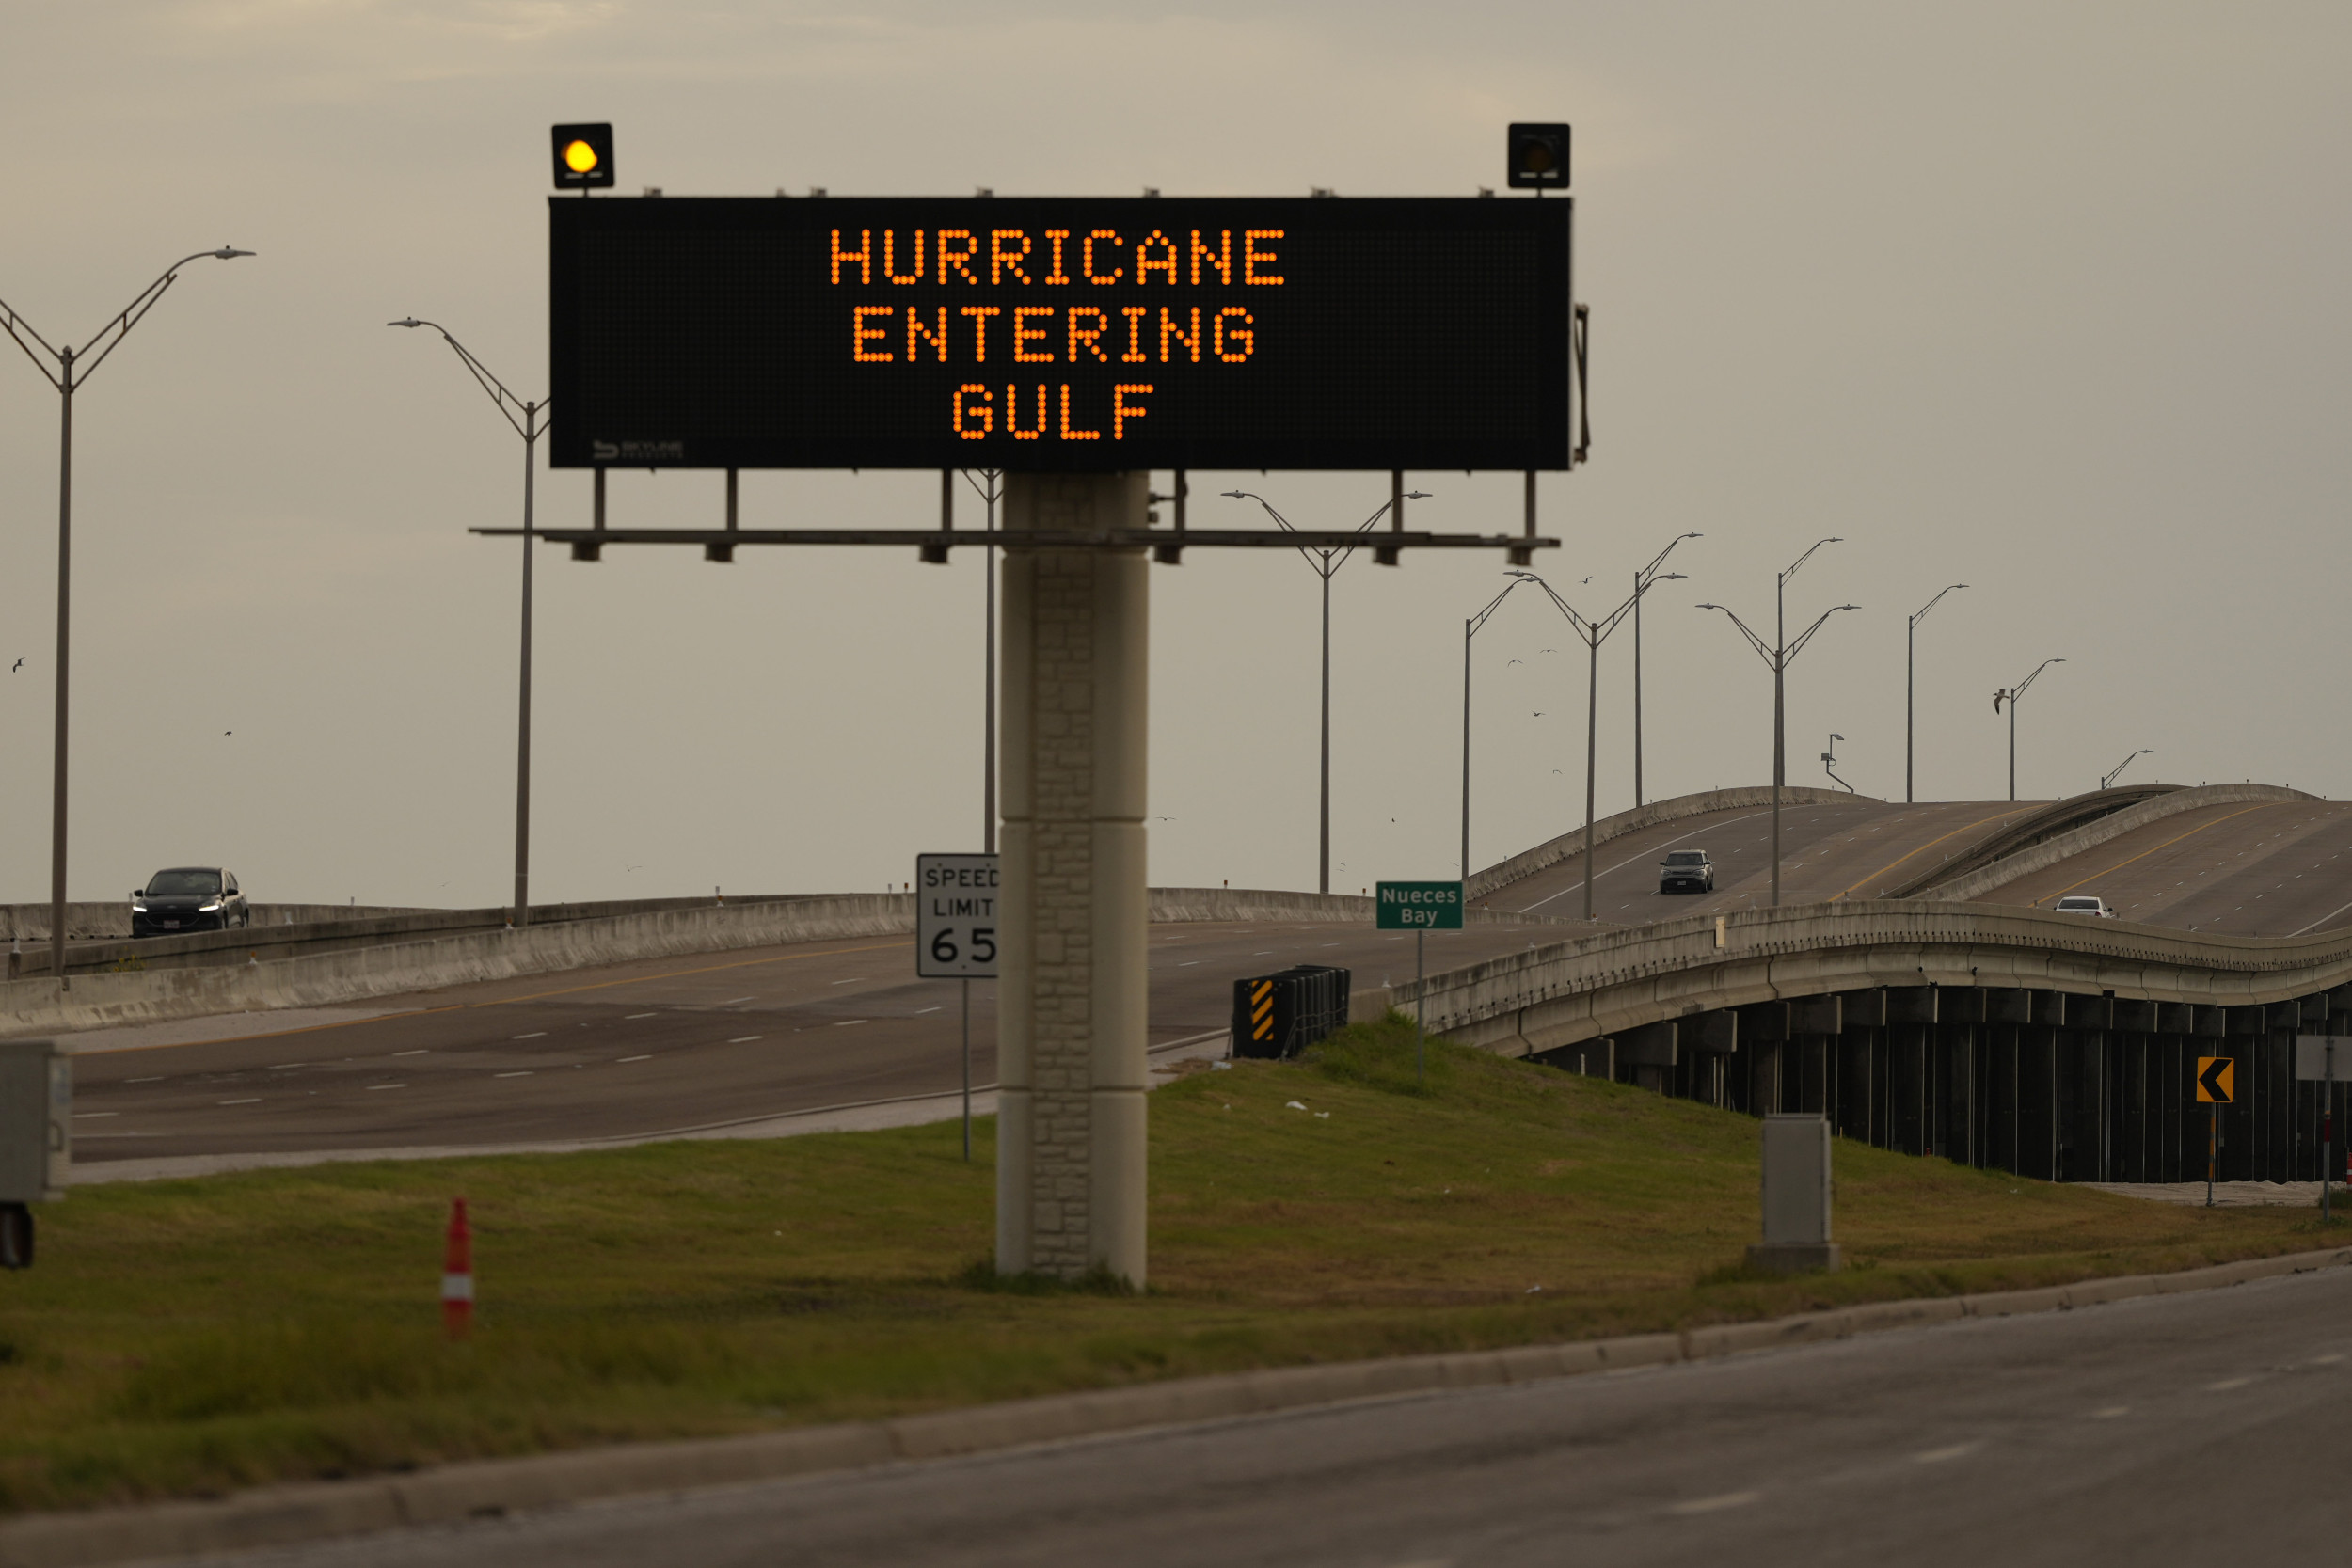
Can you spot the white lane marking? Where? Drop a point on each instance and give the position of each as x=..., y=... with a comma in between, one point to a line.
x=851, y=981
x=634, y=1017
x=2323, y=919
x=843, y=1023
x=733, y=999
x=388, y=1085
x=254, y=1102
x=85, y=1115
x=288, y=1067
x=1715, y=1504
x=1189, y=962
x=920, y=1011
x=2110, y=1413
x=411, y=1052
x=524, y=1075
x=1652, y=850
x=2323, y=1360
x=745, y=1039
x=535, y=1035
x=155, y=1080
x=2227, y=1384
x=647, y=1059
x=1937, y=1456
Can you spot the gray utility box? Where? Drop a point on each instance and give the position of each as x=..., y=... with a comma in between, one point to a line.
x=1796, y=1197
x=36, y=1121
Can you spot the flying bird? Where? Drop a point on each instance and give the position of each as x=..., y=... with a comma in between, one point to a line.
x=14, y=667
x=1996, y=700
x=1513, y=661
x=227, y=732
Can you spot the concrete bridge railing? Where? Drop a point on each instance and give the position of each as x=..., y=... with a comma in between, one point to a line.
x=1619, y=981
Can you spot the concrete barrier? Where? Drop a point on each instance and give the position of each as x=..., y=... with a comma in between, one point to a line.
x=1975, y=884
x=104, y=922
x=1615, y=980
x=1567, y=845
x=100, y=1001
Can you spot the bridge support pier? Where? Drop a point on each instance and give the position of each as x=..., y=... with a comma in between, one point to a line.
x=1073, y=998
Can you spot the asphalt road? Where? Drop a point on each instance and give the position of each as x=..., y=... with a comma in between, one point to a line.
x=660, y=1046
x=1851, y=848
x=2270, y=871
x=2198, y=1428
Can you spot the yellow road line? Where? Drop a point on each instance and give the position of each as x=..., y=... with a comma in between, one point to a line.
x=2153, y=849
x=1928, y=845
x=501, y=1002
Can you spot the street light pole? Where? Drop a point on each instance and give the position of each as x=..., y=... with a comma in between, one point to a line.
x=1470, y=629
x=1642, y=580
x=1911, y=632
x=67, y=379
x=1592, y=633
x=1778, y=654
x=2108, y=780
x=1326, y=563
x=2010, y=695
x=530, y=426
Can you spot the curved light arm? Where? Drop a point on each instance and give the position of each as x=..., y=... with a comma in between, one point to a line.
x=528, y=427
x=1805, y=557
x=2019, y=690
x=1642, y=577
x=1798, y=646
x=1321, y=560
x=1584, y=629
x=106, y=337
x=1471, y=626
x=2105, y=779
x=1763, y=649
x=1922, y=613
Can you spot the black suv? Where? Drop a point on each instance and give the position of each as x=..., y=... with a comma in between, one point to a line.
x=1686, y=871
x=188, y=898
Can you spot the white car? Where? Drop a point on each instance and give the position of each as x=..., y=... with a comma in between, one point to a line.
x=2083, y=903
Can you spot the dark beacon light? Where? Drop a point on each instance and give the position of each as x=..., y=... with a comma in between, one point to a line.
x=1539, y=157
x=583, y=157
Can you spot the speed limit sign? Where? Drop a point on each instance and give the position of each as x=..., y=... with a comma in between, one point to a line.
x=955, y=918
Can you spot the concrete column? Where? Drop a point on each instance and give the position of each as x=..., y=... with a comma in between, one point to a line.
x=1072, y=1002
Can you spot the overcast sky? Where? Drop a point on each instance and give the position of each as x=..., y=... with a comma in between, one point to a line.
x=2043, y=298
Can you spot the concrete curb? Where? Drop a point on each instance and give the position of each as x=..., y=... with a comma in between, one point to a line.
x=281, y=1515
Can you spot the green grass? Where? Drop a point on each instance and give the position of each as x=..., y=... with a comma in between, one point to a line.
x=186, y=1338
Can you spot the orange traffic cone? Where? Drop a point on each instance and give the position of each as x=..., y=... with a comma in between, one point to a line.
x=458, y=1275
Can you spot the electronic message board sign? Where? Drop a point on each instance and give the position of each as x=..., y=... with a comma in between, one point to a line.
x=1043, y=334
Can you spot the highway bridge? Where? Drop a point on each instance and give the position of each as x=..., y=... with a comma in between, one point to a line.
x=1914, y=986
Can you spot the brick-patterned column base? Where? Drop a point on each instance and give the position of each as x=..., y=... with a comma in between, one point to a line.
x=1072, y=1002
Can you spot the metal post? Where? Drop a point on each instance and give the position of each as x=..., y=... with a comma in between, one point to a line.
x=2012, y=746
x=1420, y=1002
x=988, y=739
x=522, y=721
x=1466, y=738
x=2213, y=1139
x=65, y=610
x=1911, y=637
x=1637, y=691
x=1592, y=739
x=2328, y=1141
x=1780, y=666
x=967, y=1072
x=1324, y=874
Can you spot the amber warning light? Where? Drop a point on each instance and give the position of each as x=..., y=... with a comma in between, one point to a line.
x=583, y=157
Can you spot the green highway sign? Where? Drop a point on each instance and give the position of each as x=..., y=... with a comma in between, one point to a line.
x=1419, y=907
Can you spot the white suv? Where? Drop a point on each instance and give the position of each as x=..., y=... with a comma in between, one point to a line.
x=2083, y=903
x=1686, y=871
